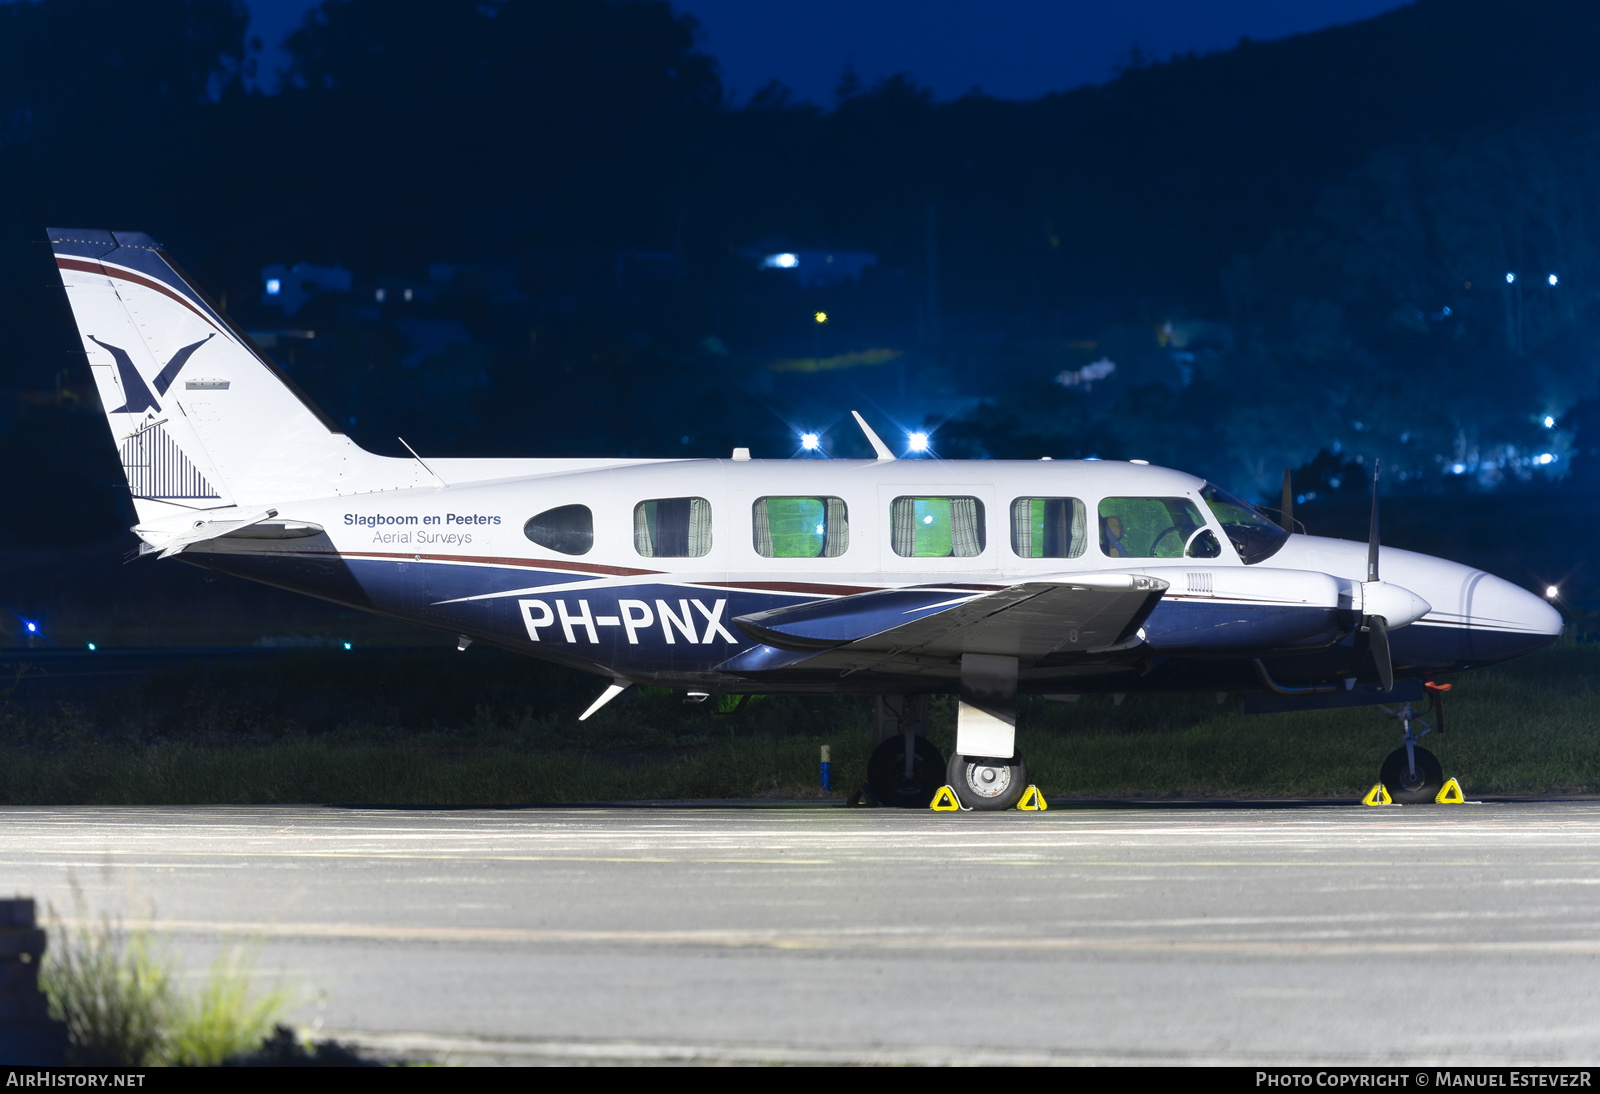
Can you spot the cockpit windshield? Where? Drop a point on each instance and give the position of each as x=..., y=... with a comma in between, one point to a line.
x=1254, y=536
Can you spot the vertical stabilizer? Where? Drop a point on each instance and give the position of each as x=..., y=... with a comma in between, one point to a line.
x=201, y=419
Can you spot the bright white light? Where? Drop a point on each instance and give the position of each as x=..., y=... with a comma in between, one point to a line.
x=1549, y=422
x=380, y=295
x=91, y=646
x=274, y=286
x=33, y=628
x=1546, y=457
x=1552, y=591
x=1554, y=280
x=810, y=442
x=408, y=294
x=1458, y=469
x=820, y=532
x=918, y=442
x=783, y=261
x=347, y=645
x=1510, y=277
x=927, y=519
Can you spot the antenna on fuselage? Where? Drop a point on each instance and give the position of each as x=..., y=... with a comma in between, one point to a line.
x=425, y=467
x=872, y=438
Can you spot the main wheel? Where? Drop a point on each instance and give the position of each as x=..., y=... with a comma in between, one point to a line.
x=886, y=773
x=985, y=783
x=1409, y=789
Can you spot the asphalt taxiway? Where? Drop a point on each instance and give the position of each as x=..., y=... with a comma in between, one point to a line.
x=1331, y=933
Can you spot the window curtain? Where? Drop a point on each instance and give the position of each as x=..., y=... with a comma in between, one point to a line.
x=966, y=533
x=1022, y=527
x=1080, y=529
x=762, y=529
x=903, y=527
x=698, y=534
x=641, y=530
x=836, y=522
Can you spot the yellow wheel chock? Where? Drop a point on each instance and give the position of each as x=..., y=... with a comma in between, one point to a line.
x=945, y=801
x=1378, y=795
x=1033, y=800
x=1450, y=794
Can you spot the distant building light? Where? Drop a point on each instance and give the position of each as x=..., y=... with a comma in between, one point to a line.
x=380, y=296
x=785, y=260
x=810, y=442
x=1549, y=422
x=1552, y=591
x=408, y=295
x=1510, y=277
x=821, y=317
x=92, y=647
x=1458, y=469
x=1554, y=280
x=1546, y=457
x=347, y=645
x=1446, y=309
x=274, y=286
x=33, y=628
x=918, y=442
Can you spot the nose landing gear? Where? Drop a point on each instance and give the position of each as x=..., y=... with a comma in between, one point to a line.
x=1412, y=773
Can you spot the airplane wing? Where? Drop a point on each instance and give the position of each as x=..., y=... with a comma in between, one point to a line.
x=924, y=627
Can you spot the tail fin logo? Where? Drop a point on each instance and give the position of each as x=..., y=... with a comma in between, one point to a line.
x=134, y=388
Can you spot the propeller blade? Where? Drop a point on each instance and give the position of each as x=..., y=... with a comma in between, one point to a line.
x=1378, y=643
x=1372, y=536
x=1288, y=502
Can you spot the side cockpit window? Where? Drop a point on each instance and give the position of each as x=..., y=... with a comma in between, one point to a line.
x=1154, y=528
x=672, y=528
x=1049, y=528
x=937, y=527
x=800, y=527
x=566, y=529
x=1251, y=532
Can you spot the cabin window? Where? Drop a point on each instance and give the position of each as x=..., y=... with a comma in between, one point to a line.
x=567, y=529
x=1150, y=527
x=937, y=527
x=1049, y=527
x=800, y=527
x=1252, y=534
x=672, y=527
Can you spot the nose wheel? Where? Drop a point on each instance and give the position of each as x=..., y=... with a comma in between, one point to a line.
x=984, y=783
x=1412, y=774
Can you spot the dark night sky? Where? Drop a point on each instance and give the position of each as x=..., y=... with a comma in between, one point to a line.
x=1015, y=49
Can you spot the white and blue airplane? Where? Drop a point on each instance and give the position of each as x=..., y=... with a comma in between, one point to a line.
x=899, y=578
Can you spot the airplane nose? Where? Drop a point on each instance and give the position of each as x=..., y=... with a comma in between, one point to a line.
x=1506, y=620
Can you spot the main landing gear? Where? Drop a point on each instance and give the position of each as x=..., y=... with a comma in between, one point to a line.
x=986, y=772
x=1412, y=774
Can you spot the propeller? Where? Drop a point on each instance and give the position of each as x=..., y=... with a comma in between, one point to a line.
x=1384, y=606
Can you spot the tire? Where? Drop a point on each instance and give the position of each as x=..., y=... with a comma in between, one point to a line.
x=886, y=773
x=1397, y=774
x=988, y=784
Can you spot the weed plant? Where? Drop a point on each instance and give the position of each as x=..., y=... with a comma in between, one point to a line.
x=118, y=989
x=444, y=728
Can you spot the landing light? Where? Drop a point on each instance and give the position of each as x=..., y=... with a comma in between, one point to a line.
x=810, y=442
x=1551, y=592
x=918, y=442
x=274, y=286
